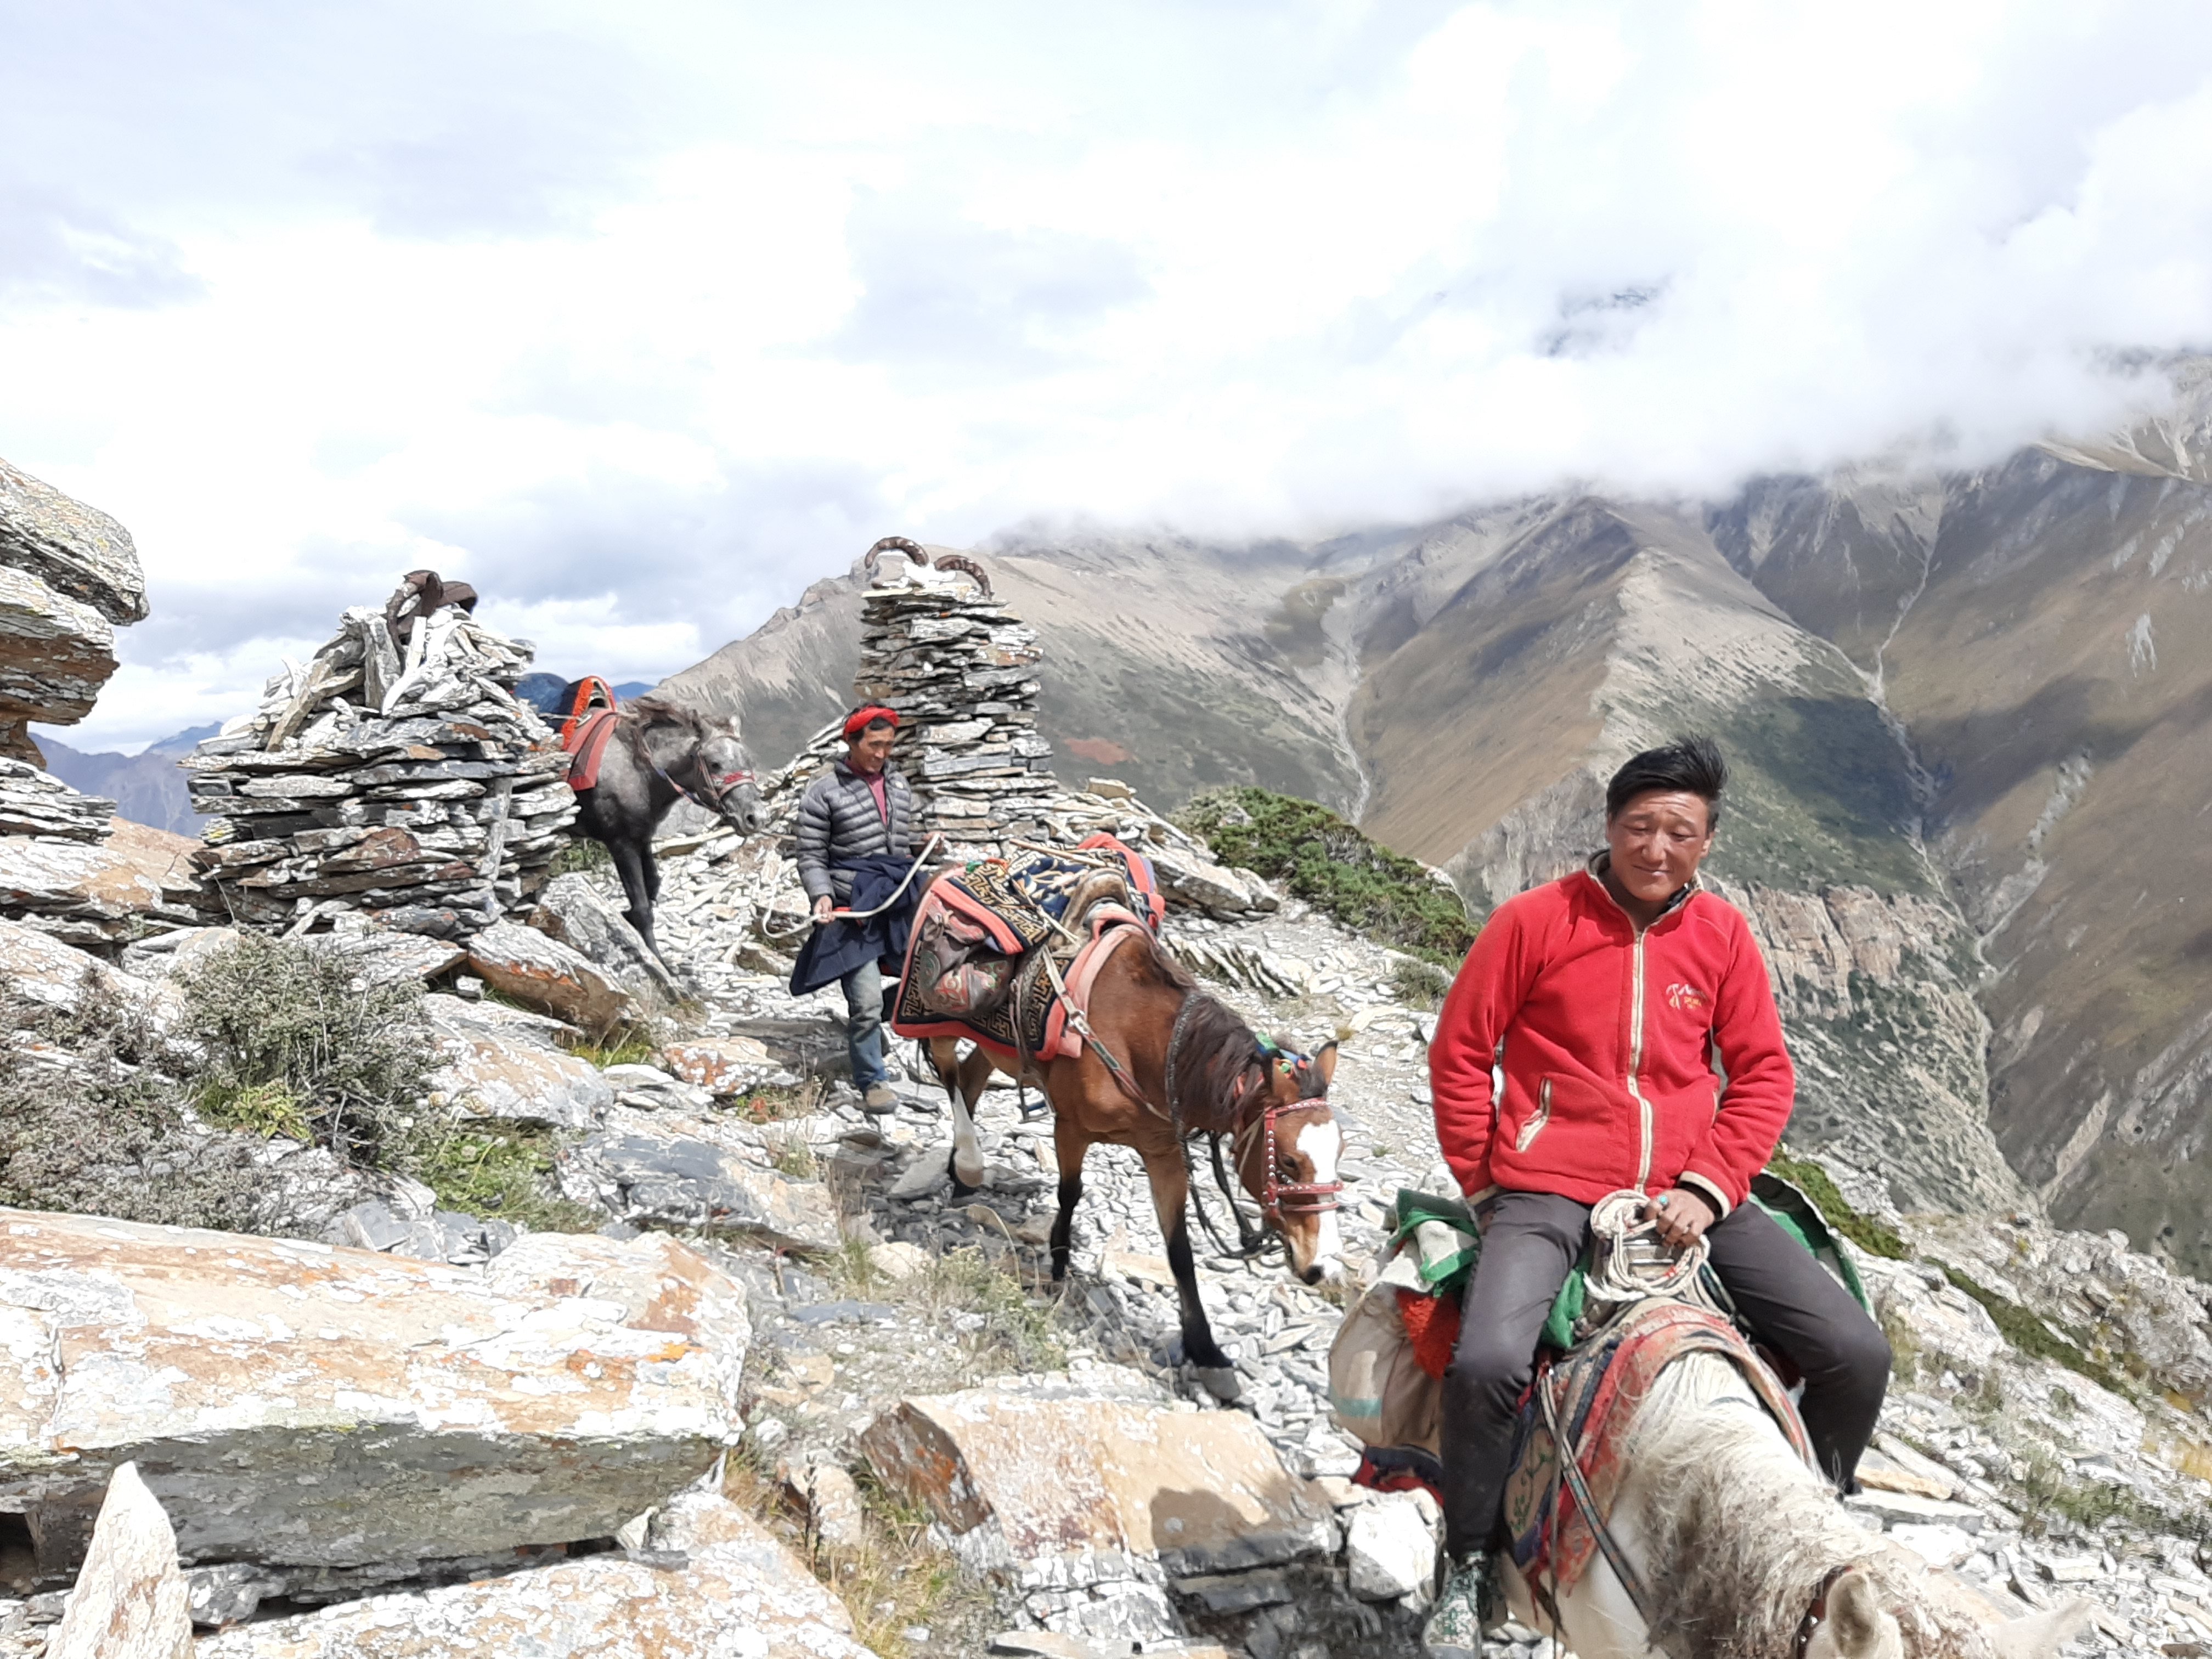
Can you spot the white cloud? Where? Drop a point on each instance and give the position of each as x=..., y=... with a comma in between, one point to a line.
x=642, y=317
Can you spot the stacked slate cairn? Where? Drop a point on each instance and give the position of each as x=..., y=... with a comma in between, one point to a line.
x=413, y=788
x=961, y=670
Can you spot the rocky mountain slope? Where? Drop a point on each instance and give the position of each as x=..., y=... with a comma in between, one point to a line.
x=2039, y=630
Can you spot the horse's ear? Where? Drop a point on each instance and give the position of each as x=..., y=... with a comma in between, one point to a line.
x=1855, y=1620
x=1324, y=1065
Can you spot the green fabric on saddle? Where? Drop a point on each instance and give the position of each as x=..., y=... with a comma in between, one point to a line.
x=1447, y=1251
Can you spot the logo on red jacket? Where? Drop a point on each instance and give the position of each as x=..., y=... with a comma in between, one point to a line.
x=1687, y=997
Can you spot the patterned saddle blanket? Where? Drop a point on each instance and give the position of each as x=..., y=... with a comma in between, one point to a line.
x=1595, y=1391
x=974, y=967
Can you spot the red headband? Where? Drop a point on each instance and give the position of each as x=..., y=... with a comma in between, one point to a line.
x=862, y=719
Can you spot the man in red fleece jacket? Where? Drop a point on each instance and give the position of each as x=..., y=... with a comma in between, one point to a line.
x=1602, y=1000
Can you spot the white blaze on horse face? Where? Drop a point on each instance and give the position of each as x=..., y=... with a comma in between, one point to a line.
x=1323, y=1144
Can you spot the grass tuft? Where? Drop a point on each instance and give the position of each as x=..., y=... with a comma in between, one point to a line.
x=791, y=1156
x=1008, y=1330
x=632, y=1046
x=267, y=1109
x=504, y=1174
x=2032, y=1335
x=2055, y=1498
x=894, y=1580
x=1419, y=984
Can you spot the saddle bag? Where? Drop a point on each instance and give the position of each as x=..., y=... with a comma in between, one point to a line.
x=957, y=971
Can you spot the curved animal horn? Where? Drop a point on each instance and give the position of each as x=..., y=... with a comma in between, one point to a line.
x=966, y=567
x=895, y=544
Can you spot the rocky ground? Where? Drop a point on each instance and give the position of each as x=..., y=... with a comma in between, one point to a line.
x=912, y=1413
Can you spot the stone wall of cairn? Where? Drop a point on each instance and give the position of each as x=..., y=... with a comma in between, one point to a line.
x=961, y=670
x=417, y=789
x=35, y=803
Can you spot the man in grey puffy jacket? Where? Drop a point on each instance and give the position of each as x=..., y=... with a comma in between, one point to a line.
x=858, y=809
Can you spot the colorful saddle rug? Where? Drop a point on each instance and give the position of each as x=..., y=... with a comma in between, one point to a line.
x=974, y=962
x=1595, y=1392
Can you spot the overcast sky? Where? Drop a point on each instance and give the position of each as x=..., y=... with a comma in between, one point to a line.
x=640, y=317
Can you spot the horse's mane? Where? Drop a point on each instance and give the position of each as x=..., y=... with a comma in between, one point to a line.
x=1216, y=1051
x=1758, y=1531
x=652, y=709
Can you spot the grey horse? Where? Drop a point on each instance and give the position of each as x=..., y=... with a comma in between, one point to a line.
x=660, y=752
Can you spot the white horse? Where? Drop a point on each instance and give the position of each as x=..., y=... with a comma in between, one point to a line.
x=1744, y=1553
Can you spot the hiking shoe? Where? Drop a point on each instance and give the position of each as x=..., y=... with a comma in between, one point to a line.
x=880, y=1099
x=1454, y=1630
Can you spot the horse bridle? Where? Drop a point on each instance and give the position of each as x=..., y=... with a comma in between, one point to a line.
x=1279, y=1197
x=713, y=788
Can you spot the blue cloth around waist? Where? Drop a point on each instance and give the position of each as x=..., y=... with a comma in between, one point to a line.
x=835, y=949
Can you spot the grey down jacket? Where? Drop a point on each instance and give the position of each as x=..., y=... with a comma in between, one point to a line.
x=838, y=823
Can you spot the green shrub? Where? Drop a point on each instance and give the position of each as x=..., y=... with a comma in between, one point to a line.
x=1419, y=984
x=278, y=1021
x=1335, y=867
x=94, y=1121
x=581, y=856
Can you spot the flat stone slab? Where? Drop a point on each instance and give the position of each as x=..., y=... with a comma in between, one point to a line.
x=542, y=973
x=1028, y=1481
x=491, y=1067
x=295, y=1403
x=1909, y=1508
x=682, y=1172
x=725, y=1588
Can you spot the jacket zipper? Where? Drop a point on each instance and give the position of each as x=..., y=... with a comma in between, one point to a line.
x=1535, y=1126
x=1636, y=1062
x=1635, y=1019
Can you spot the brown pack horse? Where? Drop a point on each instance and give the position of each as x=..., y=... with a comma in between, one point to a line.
x=1163, y=1062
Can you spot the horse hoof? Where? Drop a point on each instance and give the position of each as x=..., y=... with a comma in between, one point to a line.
x=1220, y=1381
x=962, y=1187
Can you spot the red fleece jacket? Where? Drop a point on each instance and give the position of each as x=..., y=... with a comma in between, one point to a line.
x=1608, y=1050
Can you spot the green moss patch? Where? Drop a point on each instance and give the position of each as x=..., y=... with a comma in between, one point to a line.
x=2032, y=1334
x=1863, y=1230
x=505, y=1174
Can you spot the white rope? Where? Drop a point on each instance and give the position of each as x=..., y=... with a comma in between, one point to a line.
x=1631, y=1262
x=920, y=859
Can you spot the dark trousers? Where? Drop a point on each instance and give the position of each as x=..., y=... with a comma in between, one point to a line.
x=1532, y=1241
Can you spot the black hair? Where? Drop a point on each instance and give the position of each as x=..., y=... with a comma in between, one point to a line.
x=878, y=724
x=1690, y=765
